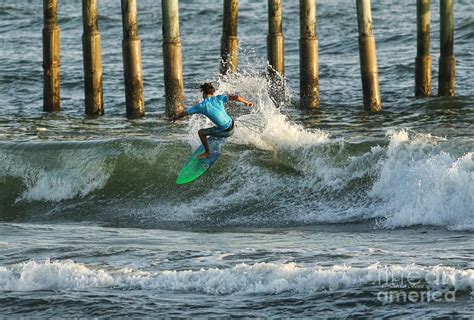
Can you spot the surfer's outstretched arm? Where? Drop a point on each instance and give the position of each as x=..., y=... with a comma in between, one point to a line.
x=240, y=99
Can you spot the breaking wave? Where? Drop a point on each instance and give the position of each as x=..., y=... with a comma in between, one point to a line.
x=274, y=171
x=259, y=278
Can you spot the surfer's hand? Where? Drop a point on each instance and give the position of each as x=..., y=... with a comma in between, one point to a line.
x=249, y=104
x=178, y=116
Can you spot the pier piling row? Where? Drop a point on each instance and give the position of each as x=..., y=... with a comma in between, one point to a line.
x=447, y=61
x=51, y=65
x=423, y=60
x=368, y=57
x=92, y=57
x=172, y=54
x=309, y=72
x=172, y=58
x=229, y=41
x=132, y=61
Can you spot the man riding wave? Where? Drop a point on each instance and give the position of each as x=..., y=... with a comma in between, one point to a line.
x=213, y=107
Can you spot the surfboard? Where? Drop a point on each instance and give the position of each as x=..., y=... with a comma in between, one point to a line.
x=194, y=167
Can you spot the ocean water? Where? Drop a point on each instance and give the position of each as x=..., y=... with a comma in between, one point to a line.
x=330, y=213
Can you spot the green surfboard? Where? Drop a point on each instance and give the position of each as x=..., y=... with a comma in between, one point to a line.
x=194, y=168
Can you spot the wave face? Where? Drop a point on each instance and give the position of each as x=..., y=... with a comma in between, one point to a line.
x=274, y=171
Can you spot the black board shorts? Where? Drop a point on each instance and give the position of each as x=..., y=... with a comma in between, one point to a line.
x=218, y=132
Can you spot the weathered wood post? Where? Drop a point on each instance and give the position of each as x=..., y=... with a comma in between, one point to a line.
x=309, y=77
x=172, y=58
x=368, y=57
x=132, y=61
x=92, y=59
x=275, y=40
x=229, y=41
x=423, y=57
x=51, y=66
x=447, y=61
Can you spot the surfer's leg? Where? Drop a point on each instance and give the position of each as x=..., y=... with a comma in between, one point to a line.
x=213, y=132
x=205, y=143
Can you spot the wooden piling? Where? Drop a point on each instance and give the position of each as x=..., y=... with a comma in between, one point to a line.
x=423, y=56
x=447, y=61
x=172, y=58
x=309, y=73
x=275, y=40
x=92, y=59
x=368, y=57
x=51, y=65
x=229, y=40
x=132, y=61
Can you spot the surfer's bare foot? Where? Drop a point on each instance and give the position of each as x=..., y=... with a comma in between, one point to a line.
x=204, y=155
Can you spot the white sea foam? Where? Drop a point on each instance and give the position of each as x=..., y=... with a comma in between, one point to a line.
x=417, y=179
x=264, y=126
x=260, y=278
x=420, y=183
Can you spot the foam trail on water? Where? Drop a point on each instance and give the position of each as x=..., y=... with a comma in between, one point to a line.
x=259, y=278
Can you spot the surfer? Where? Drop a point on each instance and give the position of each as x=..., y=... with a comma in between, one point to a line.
x=213, y=107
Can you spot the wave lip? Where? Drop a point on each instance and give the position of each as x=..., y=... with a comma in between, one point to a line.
x=56, y=174
x=259, y=278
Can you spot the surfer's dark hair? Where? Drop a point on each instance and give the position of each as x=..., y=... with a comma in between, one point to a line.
x=207, y=88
